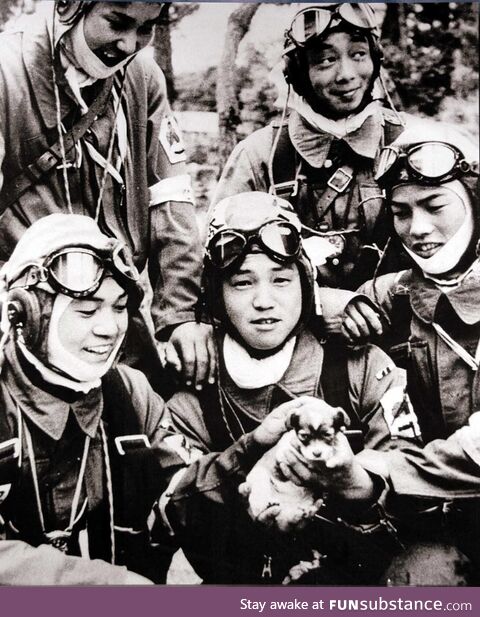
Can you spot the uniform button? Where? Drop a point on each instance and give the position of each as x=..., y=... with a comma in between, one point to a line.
x=328, y=163
x=335, y=261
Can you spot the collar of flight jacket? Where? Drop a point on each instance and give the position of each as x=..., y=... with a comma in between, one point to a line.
x=37, y=60
x=424, y=296
x=302, y=377
x=47, y=411
x=314, y=144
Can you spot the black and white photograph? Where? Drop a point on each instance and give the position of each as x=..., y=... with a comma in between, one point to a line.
x=239, y=294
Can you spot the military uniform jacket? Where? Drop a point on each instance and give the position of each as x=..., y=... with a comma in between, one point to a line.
x=445, y=390
x=310, y=157
x=152, y=210
x=205, y=512
x=58, y=430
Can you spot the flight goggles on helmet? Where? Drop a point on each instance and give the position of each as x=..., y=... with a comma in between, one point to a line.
x=314, y=21
x=78, y=271
x=278, y=239
x=429, y=163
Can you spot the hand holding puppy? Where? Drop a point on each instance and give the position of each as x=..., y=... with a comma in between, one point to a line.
x=277, y=422
x=306, y=427
x=337, y=471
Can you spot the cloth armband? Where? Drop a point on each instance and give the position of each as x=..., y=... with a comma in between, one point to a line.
x=174, y=188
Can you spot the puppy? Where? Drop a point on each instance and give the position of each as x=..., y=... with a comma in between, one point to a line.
x=271, y=496
x=316, y=425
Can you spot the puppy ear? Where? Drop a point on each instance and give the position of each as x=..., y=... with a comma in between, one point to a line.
x=340, y=419
x=294, y=421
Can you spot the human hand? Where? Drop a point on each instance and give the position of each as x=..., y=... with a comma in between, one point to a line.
x=336, y=460
x=277, y=422
x=361, y=321
x=191, y=352
x=338, y=472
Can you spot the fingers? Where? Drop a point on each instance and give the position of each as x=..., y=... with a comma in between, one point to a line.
x=286, y=409
x=202, y=360
x=212, y=357
x=244, y=489
x=371, y=317
x=295, y=468
x=269, y=515
x=186, y=351
x=192, y=352
x=361, y=322
x=172, y=358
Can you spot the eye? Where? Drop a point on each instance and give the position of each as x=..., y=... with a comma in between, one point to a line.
x=326, y=61
x=303, y=436
x=282, y=280
x=241, y=283
x=401, y=214
x=87, y=312
x=120, y=308
x=115, y=25
x=433, y=208
x=359, y=54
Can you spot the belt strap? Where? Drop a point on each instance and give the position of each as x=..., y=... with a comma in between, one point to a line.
x=53, y=156
x=338, y=182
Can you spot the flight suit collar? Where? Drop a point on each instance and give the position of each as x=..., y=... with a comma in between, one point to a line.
x=38, y=61
x=314, y=144
x=302, y=377
x=464, y=299
x=47, y=411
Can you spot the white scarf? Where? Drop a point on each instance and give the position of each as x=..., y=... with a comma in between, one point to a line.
x=249, y=373
x=338, y=128
x=83, y=68
x=448, y=256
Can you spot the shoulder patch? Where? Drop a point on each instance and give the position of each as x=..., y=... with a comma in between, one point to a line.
x=383, y=372
x=171, y=140
x=179, y=444
x=399, y=414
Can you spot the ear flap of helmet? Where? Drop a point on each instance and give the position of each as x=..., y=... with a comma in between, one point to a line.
x=23, y=309
x=295, y=71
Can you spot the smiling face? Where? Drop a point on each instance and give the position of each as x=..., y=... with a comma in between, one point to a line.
x=426, y=218
x=114, y=31
x=340, y=69
x=263, y=301
x=90, y=328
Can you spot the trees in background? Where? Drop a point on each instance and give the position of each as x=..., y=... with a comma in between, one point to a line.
x=162, y=42
x=227, y=89
x=427, y=48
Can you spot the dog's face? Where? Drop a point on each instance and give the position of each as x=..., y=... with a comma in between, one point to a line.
x=316, y=425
